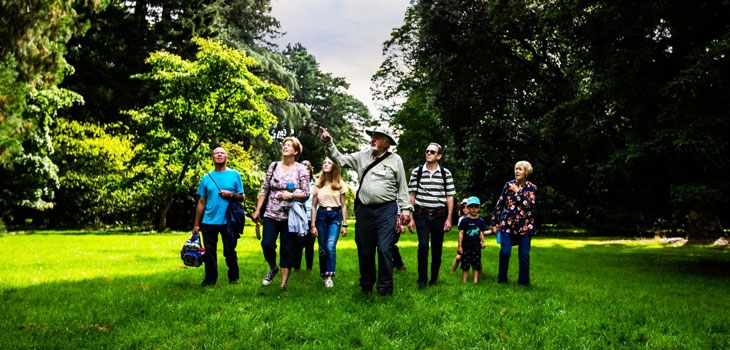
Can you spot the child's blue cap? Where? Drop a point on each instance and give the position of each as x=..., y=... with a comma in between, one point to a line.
x=472, y=201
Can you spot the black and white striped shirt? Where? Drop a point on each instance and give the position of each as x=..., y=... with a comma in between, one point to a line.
x=430, y=194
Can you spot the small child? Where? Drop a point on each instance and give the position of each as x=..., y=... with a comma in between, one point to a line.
x=471, y=240
x=462, y=215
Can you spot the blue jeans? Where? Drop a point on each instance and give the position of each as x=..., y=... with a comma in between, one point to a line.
x=433, y=226
x=523, y=253
x=272, y=230
x=328, y=227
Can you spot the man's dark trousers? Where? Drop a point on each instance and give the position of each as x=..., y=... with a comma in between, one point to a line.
x=210, y=242
x=429, y=226
x=375, y=229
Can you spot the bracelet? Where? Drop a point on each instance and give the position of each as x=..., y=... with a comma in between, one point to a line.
x=344, y=225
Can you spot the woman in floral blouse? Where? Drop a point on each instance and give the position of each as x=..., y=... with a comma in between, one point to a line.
x=513, y=220
x=286, y=181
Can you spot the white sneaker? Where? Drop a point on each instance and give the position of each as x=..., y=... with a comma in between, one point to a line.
x=270, y=276
x=328, y=283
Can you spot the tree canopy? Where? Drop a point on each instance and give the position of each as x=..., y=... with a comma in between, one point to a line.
x=620, y=106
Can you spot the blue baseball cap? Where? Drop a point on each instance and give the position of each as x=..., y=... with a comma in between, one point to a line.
x=472, y=201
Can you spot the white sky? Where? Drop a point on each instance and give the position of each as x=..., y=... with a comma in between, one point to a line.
x=345, y=36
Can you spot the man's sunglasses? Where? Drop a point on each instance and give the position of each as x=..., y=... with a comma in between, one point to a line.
x=428, y=151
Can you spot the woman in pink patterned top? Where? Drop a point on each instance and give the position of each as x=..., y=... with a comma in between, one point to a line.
x=286, y=181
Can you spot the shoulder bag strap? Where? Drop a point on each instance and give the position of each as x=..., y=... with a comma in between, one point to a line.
x=268, y=189
x=215, y=183
x=372, y=165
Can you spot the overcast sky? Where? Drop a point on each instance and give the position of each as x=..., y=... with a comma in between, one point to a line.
x=345, y=36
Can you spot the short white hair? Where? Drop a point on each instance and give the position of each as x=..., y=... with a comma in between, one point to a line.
x=525, y=165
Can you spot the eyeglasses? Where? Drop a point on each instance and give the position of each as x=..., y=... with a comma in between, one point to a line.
x=429, y=151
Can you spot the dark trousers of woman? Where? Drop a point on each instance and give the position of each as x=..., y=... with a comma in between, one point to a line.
x=272, y=230
x=523, y=253
x=305, y=245
x=429, y=227
x=210, y=242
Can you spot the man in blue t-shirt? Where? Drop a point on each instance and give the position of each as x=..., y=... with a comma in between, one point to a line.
x=217, y=188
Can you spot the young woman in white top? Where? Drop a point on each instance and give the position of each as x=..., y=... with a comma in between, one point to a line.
x=329, y=221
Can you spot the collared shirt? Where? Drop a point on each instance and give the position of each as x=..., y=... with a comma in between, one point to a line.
x=385, y=182
x=430, y=193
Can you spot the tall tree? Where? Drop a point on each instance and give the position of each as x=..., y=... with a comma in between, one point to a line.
x=603, y=97
x=201, y=104
x=329, y=105
x=33, y=35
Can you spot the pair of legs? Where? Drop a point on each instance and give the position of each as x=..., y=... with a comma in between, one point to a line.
x=210, y=242
x=523, y=253
x=429, y=227
x=305, y=249
x=272, y=230
x=375, y=233
x=455, y=264
x=471, y=258
x=328, y=226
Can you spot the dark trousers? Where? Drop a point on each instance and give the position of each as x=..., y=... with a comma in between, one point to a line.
x=429, y=227
x=375, y=232
x=272, y=230
x=397, y=258
x=523, y=253
x=210, y=242
x=305, y=248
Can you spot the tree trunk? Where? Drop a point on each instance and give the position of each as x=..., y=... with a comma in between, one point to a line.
x=703, y=227
x=162, y=219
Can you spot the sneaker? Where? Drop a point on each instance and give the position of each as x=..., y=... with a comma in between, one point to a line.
x=328, y=283
x=270, y=276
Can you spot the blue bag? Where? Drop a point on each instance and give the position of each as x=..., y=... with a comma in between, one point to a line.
x=192, y=251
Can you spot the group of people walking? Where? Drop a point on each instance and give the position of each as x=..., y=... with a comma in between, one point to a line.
x=385, y=204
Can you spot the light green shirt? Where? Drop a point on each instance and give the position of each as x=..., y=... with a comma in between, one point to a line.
x=385, y=182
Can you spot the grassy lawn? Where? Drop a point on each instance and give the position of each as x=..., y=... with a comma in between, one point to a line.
x=99, y=291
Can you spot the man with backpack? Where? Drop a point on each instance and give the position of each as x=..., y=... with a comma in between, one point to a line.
x=431, y=190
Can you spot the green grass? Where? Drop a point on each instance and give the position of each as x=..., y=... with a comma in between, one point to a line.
x=102, y=291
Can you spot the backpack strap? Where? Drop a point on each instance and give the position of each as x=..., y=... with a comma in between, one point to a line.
x=419, y=173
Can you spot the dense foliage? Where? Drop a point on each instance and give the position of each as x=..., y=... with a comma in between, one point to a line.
x=157, y=100
x=108, y=109
x=620, y=106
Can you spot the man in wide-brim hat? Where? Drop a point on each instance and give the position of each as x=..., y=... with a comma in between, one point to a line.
x=381, y=197
x=382, y=132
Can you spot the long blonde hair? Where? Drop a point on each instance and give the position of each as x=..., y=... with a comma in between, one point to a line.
x=333, y=178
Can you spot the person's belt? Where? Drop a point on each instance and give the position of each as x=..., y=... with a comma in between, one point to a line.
x=423, y=210
x=330, y=208
x=374, y=205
